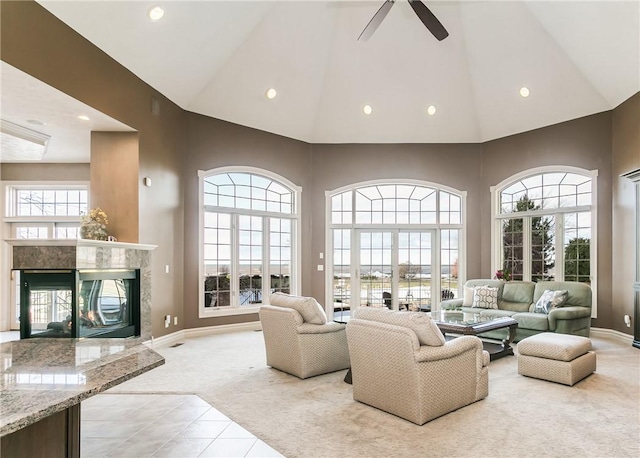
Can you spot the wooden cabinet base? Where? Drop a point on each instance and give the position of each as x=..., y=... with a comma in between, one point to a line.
x=57, y=435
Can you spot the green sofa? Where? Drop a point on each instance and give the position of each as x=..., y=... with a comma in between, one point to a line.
x=517, y=299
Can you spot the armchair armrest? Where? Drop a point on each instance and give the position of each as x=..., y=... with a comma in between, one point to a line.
x=309, y=328
x=450, y=349
x=451, y=304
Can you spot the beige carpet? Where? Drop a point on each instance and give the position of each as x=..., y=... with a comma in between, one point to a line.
x=317, y=417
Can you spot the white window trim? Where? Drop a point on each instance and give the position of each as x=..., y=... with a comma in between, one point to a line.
x=9, y=219
x=462, y=241
x=496, y=218
x=296, y=257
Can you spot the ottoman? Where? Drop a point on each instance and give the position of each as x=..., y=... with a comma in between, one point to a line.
x=560, y=358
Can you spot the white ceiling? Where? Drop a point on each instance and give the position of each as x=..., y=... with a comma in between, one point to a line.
x=24, y=98
x=218, y=58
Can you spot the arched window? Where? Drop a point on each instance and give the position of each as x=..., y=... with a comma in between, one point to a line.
x=249, y=232
x=544, y=224
x=393, y=244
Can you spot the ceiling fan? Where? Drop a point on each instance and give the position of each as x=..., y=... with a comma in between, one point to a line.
x=424, y=14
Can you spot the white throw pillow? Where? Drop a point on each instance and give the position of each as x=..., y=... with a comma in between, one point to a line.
x=550, y=300
x=485, y=297
x=467, y=301
x=308, y=307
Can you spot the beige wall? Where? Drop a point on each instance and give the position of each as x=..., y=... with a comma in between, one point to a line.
x=44, y=172
x=36, y=42
x=583, y=142
x=213, y=143
x=114, y=182
x=335, y=166
x=626, y=157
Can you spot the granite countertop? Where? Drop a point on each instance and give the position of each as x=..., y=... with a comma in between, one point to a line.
x=42, y=376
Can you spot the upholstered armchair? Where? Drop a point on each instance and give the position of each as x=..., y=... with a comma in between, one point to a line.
x=402, y=364
x=298, y=338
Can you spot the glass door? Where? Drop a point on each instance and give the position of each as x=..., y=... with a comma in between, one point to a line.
x=394, y=269
x=415, y=261
x=376, y=268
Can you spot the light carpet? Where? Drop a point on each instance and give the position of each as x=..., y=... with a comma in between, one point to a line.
x=317, y=417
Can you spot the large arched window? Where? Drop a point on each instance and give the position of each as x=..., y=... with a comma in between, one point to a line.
x=249, y=224
x=544, y=225
x=394, y=244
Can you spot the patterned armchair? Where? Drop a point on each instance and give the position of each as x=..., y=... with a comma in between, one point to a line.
x=299, y=340
x=402, y=364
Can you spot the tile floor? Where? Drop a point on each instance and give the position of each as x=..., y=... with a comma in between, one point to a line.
x=162, y=425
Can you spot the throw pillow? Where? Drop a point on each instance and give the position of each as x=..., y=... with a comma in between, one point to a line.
x=308, y=307
x=425, y=328
x=485, y=297
x=467, y=301
x=550, y=300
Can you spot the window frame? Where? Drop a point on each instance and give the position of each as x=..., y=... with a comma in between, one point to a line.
x=497, y=218
x=436, y=228
x=294, y=216
x=10, y=221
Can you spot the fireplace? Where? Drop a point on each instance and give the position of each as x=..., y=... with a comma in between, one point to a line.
x=102, y=289
x=79, y=303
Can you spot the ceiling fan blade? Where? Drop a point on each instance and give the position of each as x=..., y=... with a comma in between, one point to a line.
x=429, y=20
x=376, y=20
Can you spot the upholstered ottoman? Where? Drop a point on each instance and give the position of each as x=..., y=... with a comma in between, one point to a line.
x=560, y=358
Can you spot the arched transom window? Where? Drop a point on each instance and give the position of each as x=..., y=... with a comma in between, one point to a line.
x=545, y=226
x=249, y=224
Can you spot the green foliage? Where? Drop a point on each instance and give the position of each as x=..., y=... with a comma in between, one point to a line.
x=542, y=247
x=577, y=264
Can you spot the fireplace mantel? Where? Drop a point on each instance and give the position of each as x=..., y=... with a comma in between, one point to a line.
x=79, y=242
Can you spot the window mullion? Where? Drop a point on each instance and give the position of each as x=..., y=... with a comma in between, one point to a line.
x=526, y=248
x=235, y=268
x=559, y=247
x=266, y=258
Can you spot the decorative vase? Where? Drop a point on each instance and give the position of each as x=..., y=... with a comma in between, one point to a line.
x=93, y=230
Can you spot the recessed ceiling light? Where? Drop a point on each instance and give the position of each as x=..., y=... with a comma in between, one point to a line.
x=83, y=117
x=524, y=91
x=155, y=14
x=367, y=109
x=271, y=93
x=431, y=110
x=36, y=122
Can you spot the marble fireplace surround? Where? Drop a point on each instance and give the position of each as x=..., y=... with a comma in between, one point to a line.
x=90, y=254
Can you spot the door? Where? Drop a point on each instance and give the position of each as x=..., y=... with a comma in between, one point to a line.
x=394, y=269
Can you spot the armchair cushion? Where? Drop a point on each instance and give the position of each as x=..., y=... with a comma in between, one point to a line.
x=308, y=307
x=425, y=329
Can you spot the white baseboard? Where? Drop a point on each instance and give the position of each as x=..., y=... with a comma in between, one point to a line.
x=178, y=336
x=612, y=334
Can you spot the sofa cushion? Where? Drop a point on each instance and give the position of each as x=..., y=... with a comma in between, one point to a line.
x=518, y=292
x=486, y=282
x=533, y=321
x=467, y=300
x=485, y=297
x=550, y=300
x=577, y=293
x=308, y=307
x=426, y=330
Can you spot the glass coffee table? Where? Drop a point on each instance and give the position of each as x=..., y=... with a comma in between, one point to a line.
x=471, y=324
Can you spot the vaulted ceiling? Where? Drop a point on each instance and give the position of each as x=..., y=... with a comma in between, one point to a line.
x=218, y=58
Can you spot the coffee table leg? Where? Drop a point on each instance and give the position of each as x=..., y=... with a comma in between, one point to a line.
x=506, y=343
